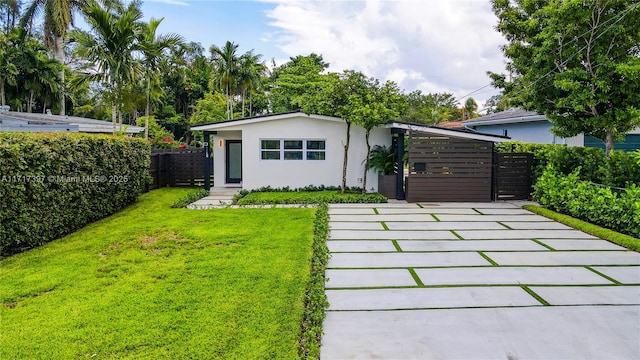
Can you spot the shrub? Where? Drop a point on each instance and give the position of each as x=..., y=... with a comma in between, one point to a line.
x=184, y=201
x=54, y=183
x=599, y=205
x=618, y=170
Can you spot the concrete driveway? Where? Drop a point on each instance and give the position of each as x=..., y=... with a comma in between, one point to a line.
x=475, y=281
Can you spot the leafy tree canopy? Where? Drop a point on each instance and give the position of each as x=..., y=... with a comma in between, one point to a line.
x=576, y=61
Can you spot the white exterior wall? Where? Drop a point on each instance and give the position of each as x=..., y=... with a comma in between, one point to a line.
x=257, y=173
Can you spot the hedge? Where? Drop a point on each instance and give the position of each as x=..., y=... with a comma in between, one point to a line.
x=581, y=199
x=618, y=170
x=52, y=184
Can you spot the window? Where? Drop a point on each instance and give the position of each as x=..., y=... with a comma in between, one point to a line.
x=270, y=149
x=292, y=149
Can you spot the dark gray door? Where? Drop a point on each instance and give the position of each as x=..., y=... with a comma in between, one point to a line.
x=234, y=161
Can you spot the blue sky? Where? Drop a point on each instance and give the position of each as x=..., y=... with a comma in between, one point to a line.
x=431, y=45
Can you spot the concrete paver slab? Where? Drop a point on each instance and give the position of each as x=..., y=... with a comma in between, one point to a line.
x=623, y=274
x=428, y=298
x=356, y=211
x=360, y=246
x=405, y=260
x=356, y=225
x=391, y=234
x=583, y=332
x=523, y=234
x=434, y=210
x=476, y=225
x=590, y=295
x=566, y=258
x=470, y=205
x=378, y=218
x=511, y=276
x=577, y=244
x=538, y=225
x=503, y=218
x=503, y=211
x=470, y=245
x=369, y=278
x=373, y=205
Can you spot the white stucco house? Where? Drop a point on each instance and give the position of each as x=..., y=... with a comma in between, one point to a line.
x=289, y=149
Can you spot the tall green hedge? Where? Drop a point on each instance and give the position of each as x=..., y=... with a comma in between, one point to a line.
x=581, y=199
x=620, y=169
x=51, y=184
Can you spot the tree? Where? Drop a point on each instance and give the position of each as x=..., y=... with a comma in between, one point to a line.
x=429, y=109
x=225, y=61
x=250, y=72
x=108, y=49
x=575, y=61
x=152, y=47
x=58, y=16
x=341, y=95
x=470, y=108
x=9, y=13
x=382, y=104
x=8, y=69
x=292, y=81
x=495, y=104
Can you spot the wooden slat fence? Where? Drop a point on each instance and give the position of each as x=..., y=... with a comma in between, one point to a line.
x=512, y=176
x=178, y=167
x=449, y=169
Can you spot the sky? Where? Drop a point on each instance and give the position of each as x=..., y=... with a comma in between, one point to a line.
x=428, y=45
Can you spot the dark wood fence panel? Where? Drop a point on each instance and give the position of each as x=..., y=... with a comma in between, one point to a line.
x=448, y=169
x=512, y=176
x=179, y=167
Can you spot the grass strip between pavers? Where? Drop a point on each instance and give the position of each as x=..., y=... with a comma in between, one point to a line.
x=396, y=245
x=536, y=296
x=435, y=217
x=603, y=275
x=415, y=277
x=543, y=244
x=488, y=258
x=615, y=237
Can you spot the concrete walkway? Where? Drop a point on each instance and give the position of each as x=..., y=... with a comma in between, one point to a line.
x=475, y=281
x=218, y=198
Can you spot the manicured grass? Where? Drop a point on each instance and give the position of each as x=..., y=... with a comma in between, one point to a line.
x=627, y=241
x=308, y=197
x=154, y=282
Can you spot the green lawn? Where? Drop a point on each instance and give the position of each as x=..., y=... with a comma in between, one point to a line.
x=154, y=282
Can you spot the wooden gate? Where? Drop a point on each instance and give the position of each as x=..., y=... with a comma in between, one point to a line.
x=444, y=168
x=512, y=176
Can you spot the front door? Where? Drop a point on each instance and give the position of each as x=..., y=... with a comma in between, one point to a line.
x=234, y=161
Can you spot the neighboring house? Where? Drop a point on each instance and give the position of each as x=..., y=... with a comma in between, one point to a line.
x=289, y=149
x=11, y=121
x=529, y=126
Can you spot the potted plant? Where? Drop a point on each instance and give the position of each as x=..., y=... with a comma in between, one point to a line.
x=383, y=160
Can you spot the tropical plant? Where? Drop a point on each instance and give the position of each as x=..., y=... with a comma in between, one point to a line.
x=382, y=159
x=225, y=61
x=152, y=47
x=8, y=69
x=250, y=71
x=109, y=48
x=58, y=16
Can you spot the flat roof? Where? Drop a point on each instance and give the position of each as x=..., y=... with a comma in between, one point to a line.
x=261, y=118
x=456, y=133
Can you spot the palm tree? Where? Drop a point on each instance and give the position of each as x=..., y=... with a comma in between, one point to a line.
x=152, y=47
x=250, y=71
x=8, y=70
x=109, y=49
x=58, y=16
x=11, y=11
x=41, y=76
x=225, y=61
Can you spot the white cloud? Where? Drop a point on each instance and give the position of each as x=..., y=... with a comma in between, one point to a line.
x=170, y=2
x=431, y=45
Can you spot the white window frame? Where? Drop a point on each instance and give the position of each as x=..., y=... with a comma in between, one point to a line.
x=282, y=150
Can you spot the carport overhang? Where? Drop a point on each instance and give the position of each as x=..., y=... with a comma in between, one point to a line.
x=401, y=128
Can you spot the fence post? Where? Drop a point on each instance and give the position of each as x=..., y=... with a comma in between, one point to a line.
x=207, y=162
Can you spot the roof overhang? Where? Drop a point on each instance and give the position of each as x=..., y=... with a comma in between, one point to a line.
x=258, y=119
x=446, y=132
x=513, y=120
